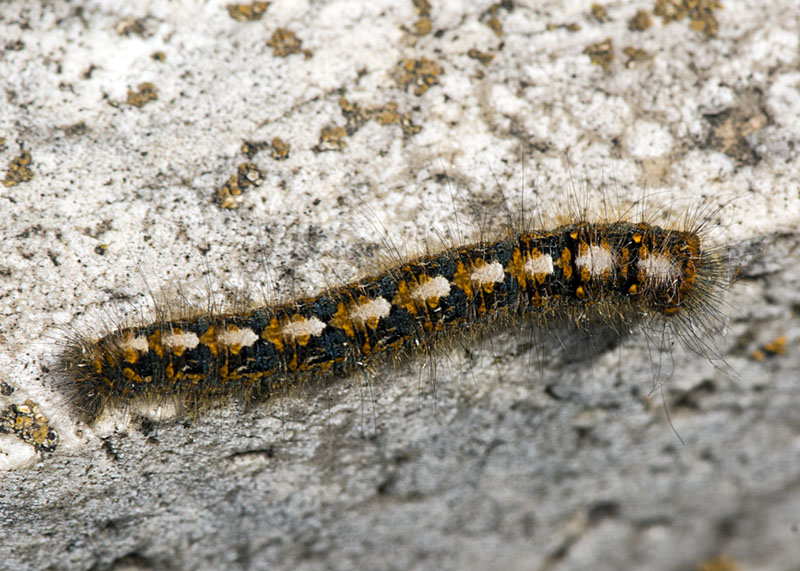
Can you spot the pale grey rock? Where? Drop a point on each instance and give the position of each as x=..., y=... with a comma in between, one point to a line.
x=520, y=459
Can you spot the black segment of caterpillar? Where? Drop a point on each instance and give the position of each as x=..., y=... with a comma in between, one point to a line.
x=619, y=270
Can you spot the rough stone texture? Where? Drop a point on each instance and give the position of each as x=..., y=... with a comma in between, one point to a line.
x=522, y=458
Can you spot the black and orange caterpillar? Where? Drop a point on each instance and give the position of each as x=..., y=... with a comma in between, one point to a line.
x=621, y=269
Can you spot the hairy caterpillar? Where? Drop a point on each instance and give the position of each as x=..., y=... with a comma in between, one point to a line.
x=619, y=271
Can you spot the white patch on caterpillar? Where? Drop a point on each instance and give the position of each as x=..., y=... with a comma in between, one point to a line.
x=597, y=259
x=302, y=327
x=659, y=268
x=377, y=308
x=138, y=343
x=488, y=274
x=541, y=264
x=433, y=288
x=234, y=336
x=180, y=340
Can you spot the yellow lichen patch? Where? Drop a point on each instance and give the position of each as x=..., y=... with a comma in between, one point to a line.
x=634, y=56
x=285, y=43
x=388, y=115
x=483, y=57
x=423, y=7
x=19, y=169
x=777, y=346
x=640, y=21
x=601, y=53
x=355, y=115
x=491, y=17
x=247, y=175
x=599, y=13
x=385, y=115
x=423, y=25
x=251, y=148
x=700, y=13
x=29, y=423
x=247, y=12
x=570, y=27
x=421, y=73
x=144, y=94
x=331, y=139
x=773, y=348
x=279, y=149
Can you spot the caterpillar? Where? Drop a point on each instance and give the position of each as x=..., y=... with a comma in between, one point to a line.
x=618, y=271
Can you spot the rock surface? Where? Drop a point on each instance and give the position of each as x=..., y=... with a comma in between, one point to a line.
x=214, y=150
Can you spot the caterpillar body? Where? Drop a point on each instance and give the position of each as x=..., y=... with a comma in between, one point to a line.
x=620, y=271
